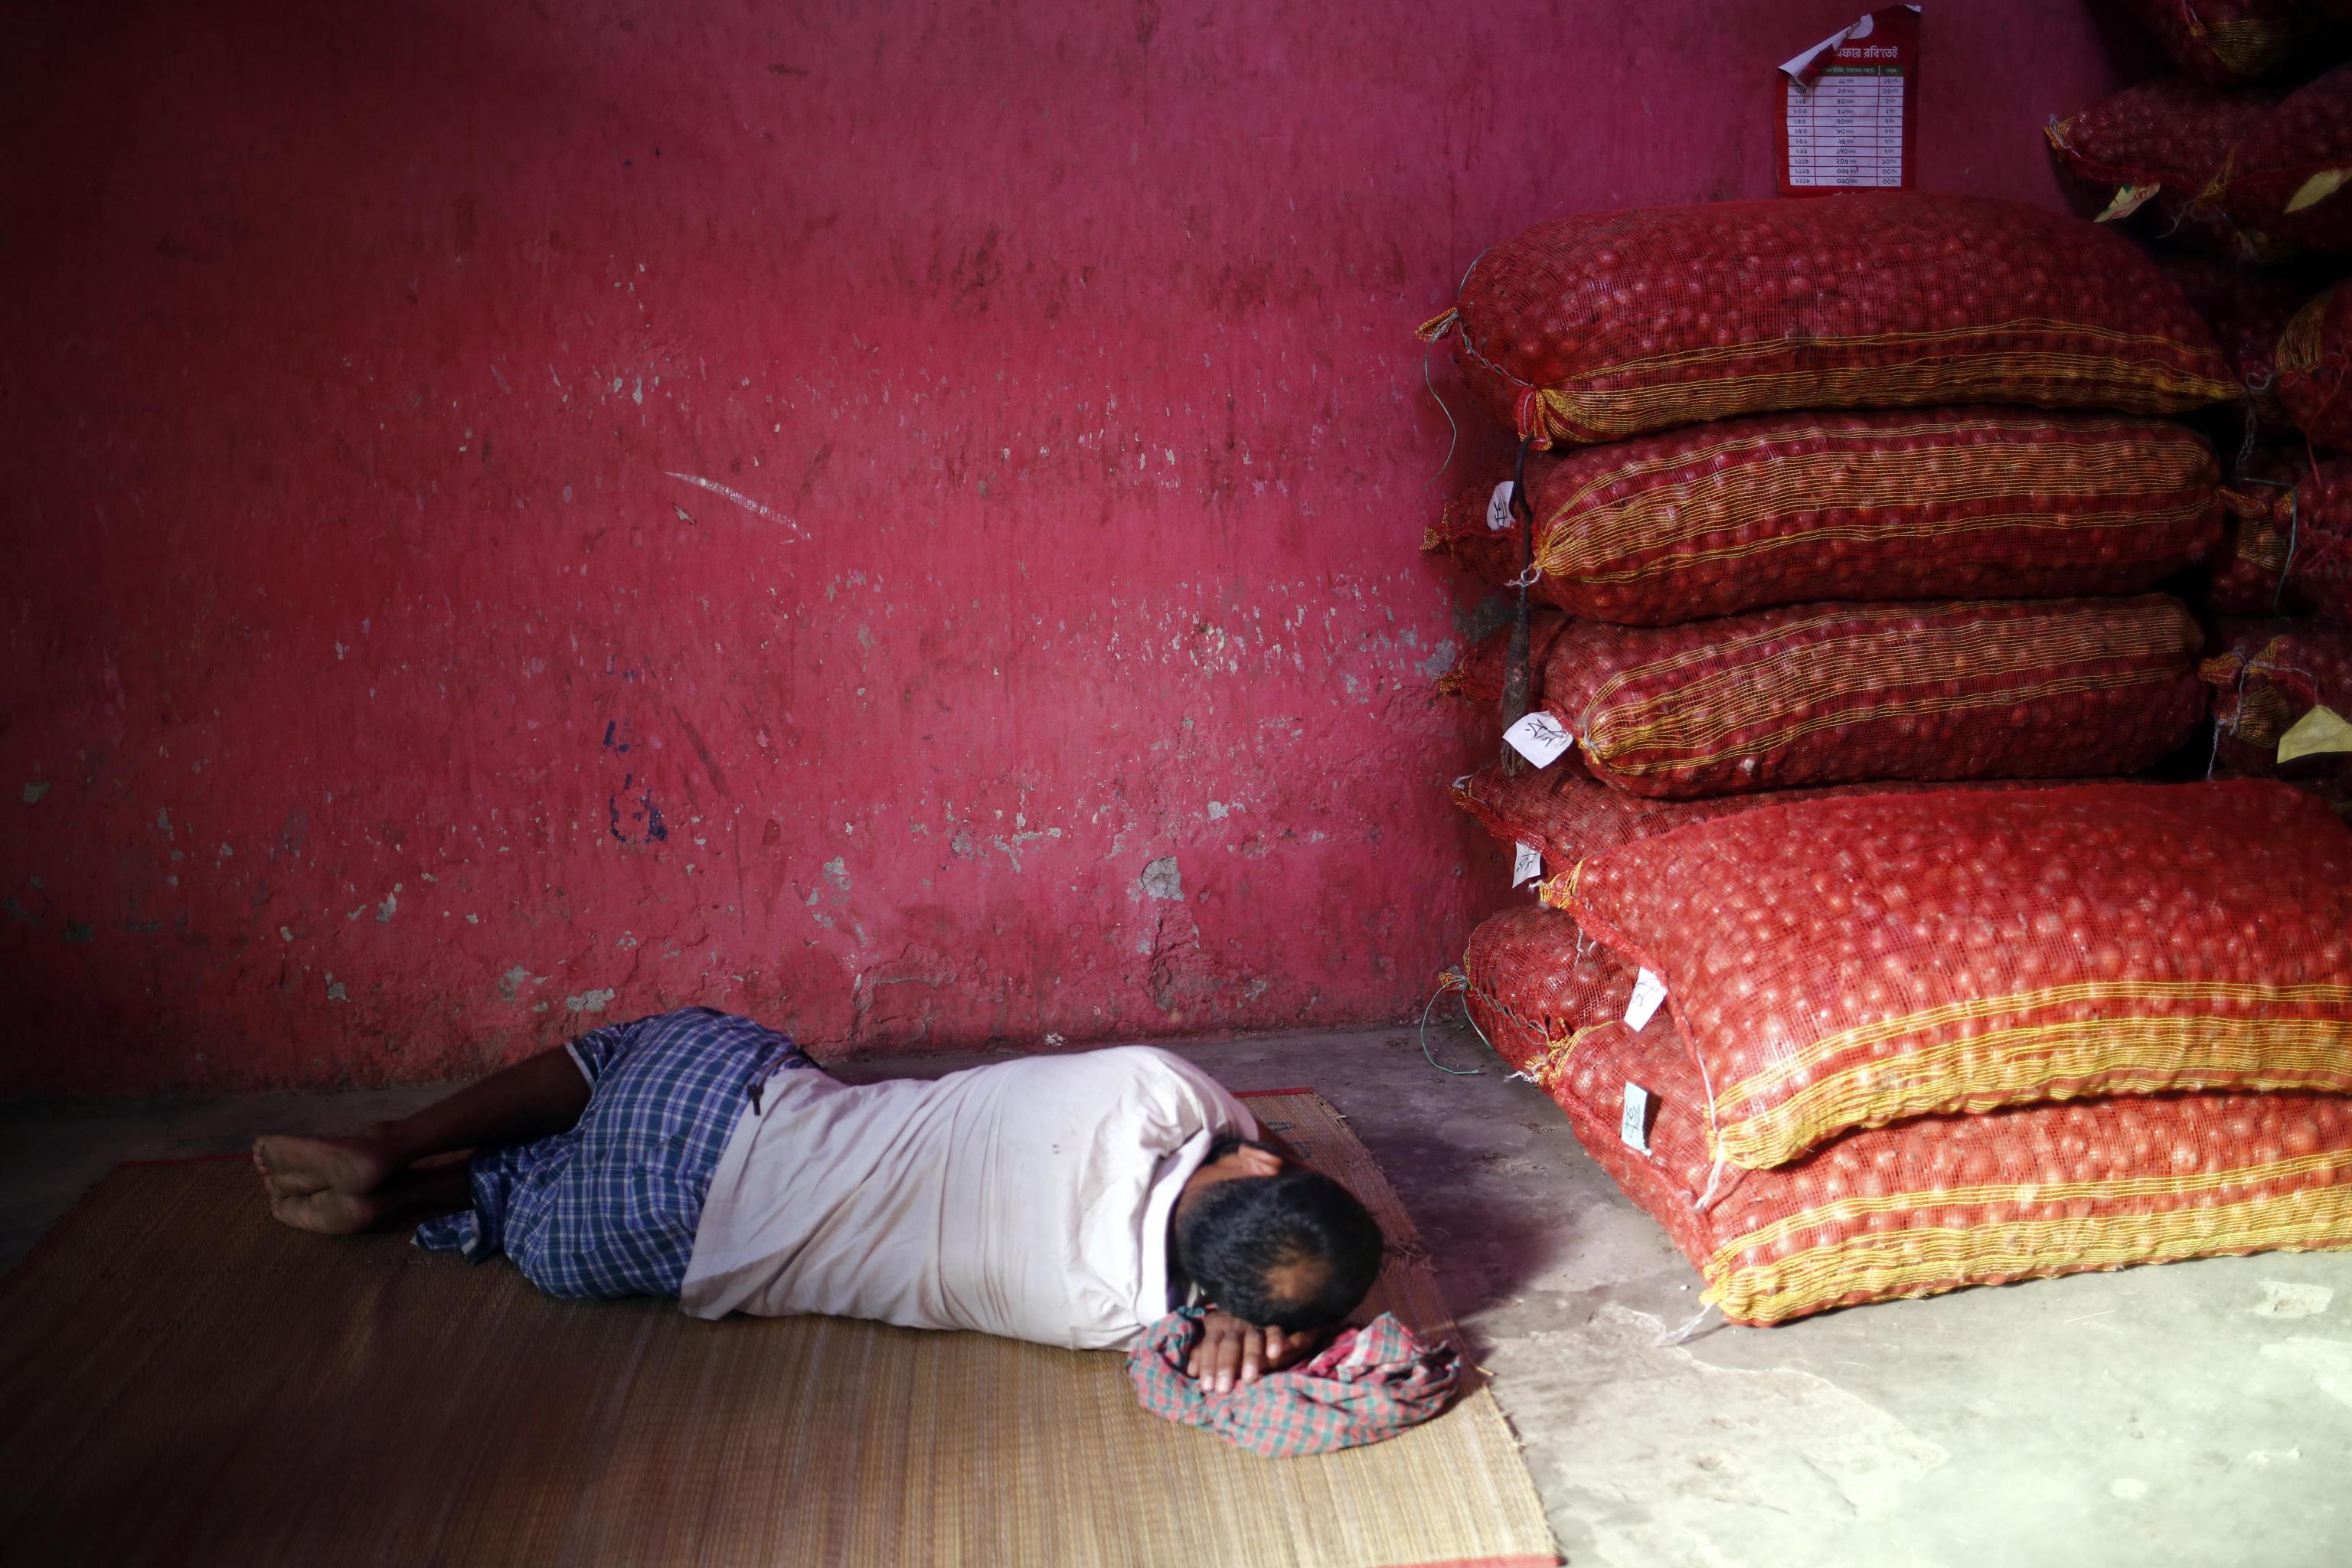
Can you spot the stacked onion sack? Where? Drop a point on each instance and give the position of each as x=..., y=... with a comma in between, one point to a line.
x=2236, y=172
x=1845, y=518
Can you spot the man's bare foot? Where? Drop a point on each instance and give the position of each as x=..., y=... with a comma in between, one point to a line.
x=327, y=1212
x=294, y=1167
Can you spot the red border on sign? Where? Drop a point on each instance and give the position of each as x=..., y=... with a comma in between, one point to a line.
x=1897, y=27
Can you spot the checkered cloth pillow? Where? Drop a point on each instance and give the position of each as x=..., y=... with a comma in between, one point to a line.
x=1368, y=1383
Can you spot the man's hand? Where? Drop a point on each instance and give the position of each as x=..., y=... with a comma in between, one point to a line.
x=1232, y=1354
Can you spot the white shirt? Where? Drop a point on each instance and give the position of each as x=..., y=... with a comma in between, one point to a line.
x=1028, y=1198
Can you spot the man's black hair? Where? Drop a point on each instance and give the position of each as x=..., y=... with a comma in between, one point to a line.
x=1294, y=1250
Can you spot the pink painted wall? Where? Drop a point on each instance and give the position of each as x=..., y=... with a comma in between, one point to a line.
x=898, y=519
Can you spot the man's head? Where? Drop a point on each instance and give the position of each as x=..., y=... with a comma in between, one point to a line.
x=1274, y=1243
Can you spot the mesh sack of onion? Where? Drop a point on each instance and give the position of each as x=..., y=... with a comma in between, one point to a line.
x=2319, y=560
x=2248, y=309
x=1564, y=816
x=2290, y=178
x=2247, y=572
x=1603, y=325
x=2227, y=42
x=1855, y=962
x=2268, y=680
x=2152, y=156
x=1529, y=967
x=1822, y=694
x=2315, y=368
x=1783, y=508
x=1942, y=1202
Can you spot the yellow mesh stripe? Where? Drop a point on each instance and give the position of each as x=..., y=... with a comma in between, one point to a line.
x=2249, y=46
x=1583, y=533
x=2136, y=386
x=1586, y=495
x=1995, y=332
x=1706, y=712
x=2263, y=714
x=1886, y=1265
x=1800, y=1062
x=1875, y=712
x=2053, y=1061
x=2298, y=347
x=2009, y=1194
x=1861, y=622
x=1990, y=1066
x=1562, y=561
x=2261, y=545
x=1871, y=651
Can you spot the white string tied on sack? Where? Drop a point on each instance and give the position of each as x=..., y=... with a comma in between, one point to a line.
x=1451, y=980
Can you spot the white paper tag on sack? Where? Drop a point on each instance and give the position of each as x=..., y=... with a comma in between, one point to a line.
x=1499, y=508
x=2128, y=199
x=1527, y=865
x=2321, y=729
x=2317, y=189
x=1634, y=1127
x=1540, y=738
x=1648, y=991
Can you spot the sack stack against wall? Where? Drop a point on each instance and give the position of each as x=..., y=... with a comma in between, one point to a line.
x=1820, y=535
x=1842, y=592
x=1605, y=325
x=1909, y=1042
x=2238, y=173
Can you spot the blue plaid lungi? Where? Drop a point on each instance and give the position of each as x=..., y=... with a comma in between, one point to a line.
x=610, y=1207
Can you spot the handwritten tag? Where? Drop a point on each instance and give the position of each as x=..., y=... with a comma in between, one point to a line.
x=1526, y=866
x=2129, y=200
x=1648, y=991
x=1540, y=738
x=1499, y=508
x=1634, y=1127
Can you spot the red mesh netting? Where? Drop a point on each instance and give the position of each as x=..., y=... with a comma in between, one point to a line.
x=1530, y=966
x=1562, y=813
x=2270, y=674
x=2247, y=309
x=2321, y=566
x=2287, y=180
x=2315, y=368
x=1477, y=676
x=1945, y=1201
x=2226, y=42
x=1852, y=962
x=1605, y=325
x=1464, y=530
x=2249, y=570
x=1822, y=694
x=2249, y=567
x=2154, y=149
x=1781, y=509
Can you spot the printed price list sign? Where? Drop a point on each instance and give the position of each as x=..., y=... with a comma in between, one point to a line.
x=1847, y=132
x=1847, y=108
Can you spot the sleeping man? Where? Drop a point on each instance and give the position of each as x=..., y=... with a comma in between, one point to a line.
x=1071, y=1200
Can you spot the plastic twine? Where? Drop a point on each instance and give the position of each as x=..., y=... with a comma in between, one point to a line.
x=1451, y=980
x=1698, y=1325
x=1452, y=431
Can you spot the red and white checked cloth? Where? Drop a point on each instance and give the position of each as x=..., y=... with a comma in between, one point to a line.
x=1367, y=1384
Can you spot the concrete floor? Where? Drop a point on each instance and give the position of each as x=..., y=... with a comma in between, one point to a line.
x=2197, y=1414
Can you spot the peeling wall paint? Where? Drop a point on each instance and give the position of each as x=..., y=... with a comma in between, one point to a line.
x=899, y=519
